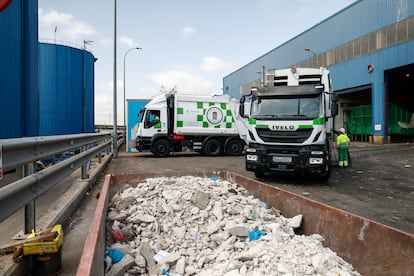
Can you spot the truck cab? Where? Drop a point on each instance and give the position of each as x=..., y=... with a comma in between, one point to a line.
x=290, y=120
x=153, y=124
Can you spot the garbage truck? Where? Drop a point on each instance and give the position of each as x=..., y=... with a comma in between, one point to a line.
x=290, y=122
x=175, y=122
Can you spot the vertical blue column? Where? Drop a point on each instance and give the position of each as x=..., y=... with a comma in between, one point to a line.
x=30, y=79
x=378, y=106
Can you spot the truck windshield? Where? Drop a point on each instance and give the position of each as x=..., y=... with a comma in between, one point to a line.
x=286, y=108
x=141, y=115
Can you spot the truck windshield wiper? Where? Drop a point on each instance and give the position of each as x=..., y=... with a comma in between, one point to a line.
x=265, y=116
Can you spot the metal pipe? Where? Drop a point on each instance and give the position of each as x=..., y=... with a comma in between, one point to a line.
x=262, y=76
x=125, y=124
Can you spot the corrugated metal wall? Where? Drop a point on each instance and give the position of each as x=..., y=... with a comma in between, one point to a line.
x=368, y=32
x=19, y=110
x=66, y=84
x=359, y=19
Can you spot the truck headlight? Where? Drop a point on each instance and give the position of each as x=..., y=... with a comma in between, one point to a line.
x=251, y=157
x=315, y=161
x=250, y=150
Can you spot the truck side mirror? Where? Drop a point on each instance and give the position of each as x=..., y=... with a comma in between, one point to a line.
x=241, y=107
x=241, y=110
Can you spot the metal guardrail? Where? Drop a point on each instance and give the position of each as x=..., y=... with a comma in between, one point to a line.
x=25, y=151
x=21, y=151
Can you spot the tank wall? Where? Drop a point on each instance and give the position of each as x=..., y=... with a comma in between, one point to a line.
x=18, y=70
x=66, y=83
x=89, y=92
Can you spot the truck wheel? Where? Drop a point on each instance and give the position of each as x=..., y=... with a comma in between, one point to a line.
x=161, y=148
x=326, y=175
x=234, y=147
x=328, y=169
x=259, y=174
x=328, y=165
x=213, y=147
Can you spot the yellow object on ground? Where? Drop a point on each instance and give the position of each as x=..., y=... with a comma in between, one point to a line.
x=45, y=246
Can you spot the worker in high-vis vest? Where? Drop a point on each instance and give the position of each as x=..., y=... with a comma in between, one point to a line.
x=342, y=143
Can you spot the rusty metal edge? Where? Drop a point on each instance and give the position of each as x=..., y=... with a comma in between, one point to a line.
x=371, y=247
x=92, y=259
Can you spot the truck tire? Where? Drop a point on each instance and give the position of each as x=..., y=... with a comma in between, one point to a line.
x=161, y=148
x=234, y=147
x=259, y=174
x=328, y=168
x=213, y=147
x=325, y=176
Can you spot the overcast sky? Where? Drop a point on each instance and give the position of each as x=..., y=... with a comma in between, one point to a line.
x=187, y=44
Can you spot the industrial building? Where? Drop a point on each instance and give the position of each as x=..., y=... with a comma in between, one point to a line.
x=45, y=89
x=369, y=49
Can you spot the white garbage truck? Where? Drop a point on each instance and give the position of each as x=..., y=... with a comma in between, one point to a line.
x=290, y=122
x=174, y=122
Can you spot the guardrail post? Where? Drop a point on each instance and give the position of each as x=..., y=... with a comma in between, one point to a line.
x=30, y=208
x=84, y=166
x=100, y=157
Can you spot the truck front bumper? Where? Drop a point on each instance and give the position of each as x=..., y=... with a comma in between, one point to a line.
x=303, y=161
x=143, y=143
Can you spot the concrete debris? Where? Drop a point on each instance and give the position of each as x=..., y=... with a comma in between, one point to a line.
x=296, y=221
x=196, y=226
x=121, y=267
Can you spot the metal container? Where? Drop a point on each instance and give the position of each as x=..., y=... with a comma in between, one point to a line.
x=372, y=248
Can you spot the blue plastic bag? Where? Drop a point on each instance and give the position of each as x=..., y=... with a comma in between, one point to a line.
x=256, y=234
x=115, y=255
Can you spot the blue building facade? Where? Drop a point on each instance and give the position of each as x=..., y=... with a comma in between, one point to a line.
x=369, y=50
x=133, y=117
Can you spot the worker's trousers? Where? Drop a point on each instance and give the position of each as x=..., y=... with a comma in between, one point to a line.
x=343, y=155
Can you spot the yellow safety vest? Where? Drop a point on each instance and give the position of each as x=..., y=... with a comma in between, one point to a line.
x=342, y=138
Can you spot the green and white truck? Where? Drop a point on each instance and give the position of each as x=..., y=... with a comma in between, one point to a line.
x=290, y=120
x=175, y=122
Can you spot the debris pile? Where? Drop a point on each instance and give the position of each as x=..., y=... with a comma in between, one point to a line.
x=206, y=226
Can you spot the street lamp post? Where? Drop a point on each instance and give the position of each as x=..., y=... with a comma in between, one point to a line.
x=115, y=126
x=125, y=124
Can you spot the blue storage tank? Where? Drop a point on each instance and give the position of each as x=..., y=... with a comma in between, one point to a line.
x=19, y=95
x=66, y=85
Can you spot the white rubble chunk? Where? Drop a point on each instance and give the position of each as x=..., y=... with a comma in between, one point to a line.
x=171, y=194
x=180, y=266
x=296, y=221
x=140, y=260
x=121, y=267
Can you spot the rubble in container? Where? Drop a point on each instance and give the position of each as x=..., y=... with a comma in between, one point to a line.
x=206, y=226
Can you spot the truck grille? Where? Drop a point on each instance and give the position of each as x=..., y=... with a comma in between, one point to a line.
x=297, y=136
